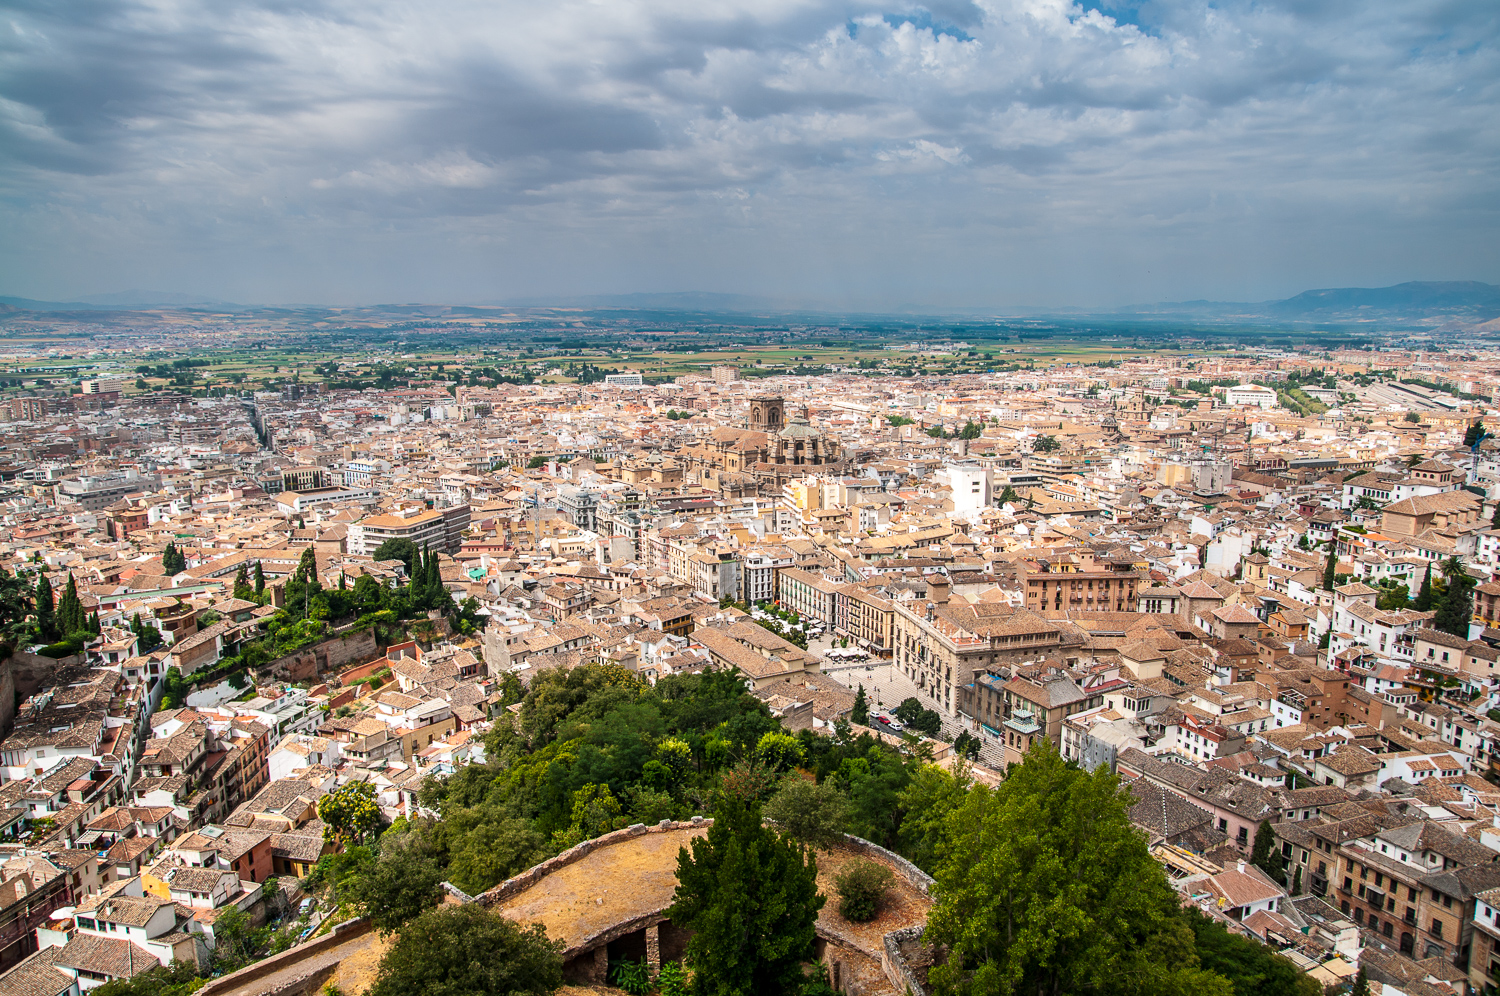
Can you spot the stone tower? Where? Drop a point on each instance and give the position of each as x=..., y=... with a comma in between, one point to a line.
x=767, y=414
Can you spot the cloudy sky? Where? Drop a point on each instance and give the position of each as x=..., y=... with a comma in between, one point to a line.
x=986, y=153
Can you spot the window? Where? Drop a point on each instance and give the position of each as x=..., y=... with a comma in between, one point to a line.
x=1437, y=927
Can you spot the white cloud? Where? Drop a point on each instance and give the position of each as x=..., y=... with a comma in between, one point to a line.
x=1243, y=149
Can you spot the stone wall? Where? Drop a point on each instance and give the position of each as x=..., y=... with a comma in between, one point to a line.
x=529, y=877
x=32, y=671
x=898, y=968
x=23, y=675
x=904, y=868
x=294, y=983
x=360, y=671
x=8, y=700
x=333, y=654
x=585, y=963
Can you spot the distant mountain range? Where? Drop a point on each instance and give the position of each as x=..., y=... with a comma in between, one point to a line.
x=133, y=300
x=1462, y=302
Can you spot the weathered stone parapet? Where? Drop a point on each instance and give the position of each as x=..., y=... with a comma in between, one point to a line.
x=529, y=877
x=894, y=962
x=906, y=869
x=653, y=948
x=295, y=981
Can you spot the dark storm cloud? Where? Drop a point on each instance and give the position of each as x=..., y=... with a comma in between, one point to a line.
x=467, y=148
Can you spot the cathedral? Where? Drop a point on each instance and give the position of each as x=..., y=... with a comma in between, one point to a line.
x=769, y=451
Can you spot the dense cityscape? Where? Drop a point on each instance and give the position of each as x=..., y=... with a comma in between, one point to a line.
x=306, y=646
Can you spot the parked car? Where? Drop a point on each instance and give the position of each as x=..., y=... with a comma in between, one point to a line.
x=884, y=719
x=895, y=726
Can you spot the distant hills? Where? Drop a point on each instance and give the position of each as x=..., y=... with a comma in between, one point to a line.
x=1461, y=303
x=1460, y=300
x=133, y=300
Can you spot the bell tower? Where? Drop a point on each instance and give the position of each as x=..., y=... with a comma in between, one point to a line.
x=767, y=414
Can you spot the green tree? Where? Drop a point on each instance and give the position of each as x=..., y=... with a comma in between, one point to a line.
x=242, y=587
x=1046, y=444
x=1264, y=854
x=70, y=616
x=147, y=637
x=971, y=430
x=260, y=582
x=862, y=887
x=1475, y=433
x=1361, y=984
x=486, y=846
x=1423, y=602
x=1393, y=595
x=811, y=813
x=1330, y=567
x=405, y=881
x=1456, y=607
x=1251, y=967
x=932, y=794
x=596, y=811
x=750, y=898
x=1048, y=888
x=676, y=756
x=173, y=561
x=860, y=713
x=469, y=950
x=403, y=550
x=350, y=814
x=177, y=979
x=42, y=597
x=923, y=720
x=236, y=939
x=1009, y=497
x=778, y=751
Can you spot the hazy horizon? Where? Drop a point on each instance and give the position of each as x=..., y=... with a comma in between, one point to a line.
x=839, y=156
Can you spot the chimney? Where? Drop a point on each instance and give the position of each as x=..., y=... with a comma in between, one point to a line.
x=1242, y=866
x=937, y=589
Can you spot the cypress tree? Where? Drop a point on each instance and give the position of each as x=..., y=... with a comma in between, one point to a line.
x=860, y=714
x=1331, y=567
x=750, y=898
x=242, y=589
x=1264, y=854
x=422, y=594
x=1456, y=608
x=260, y=581
x=70, y=616
x=44, y=607
x=1424, y=594
x=435, y=590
